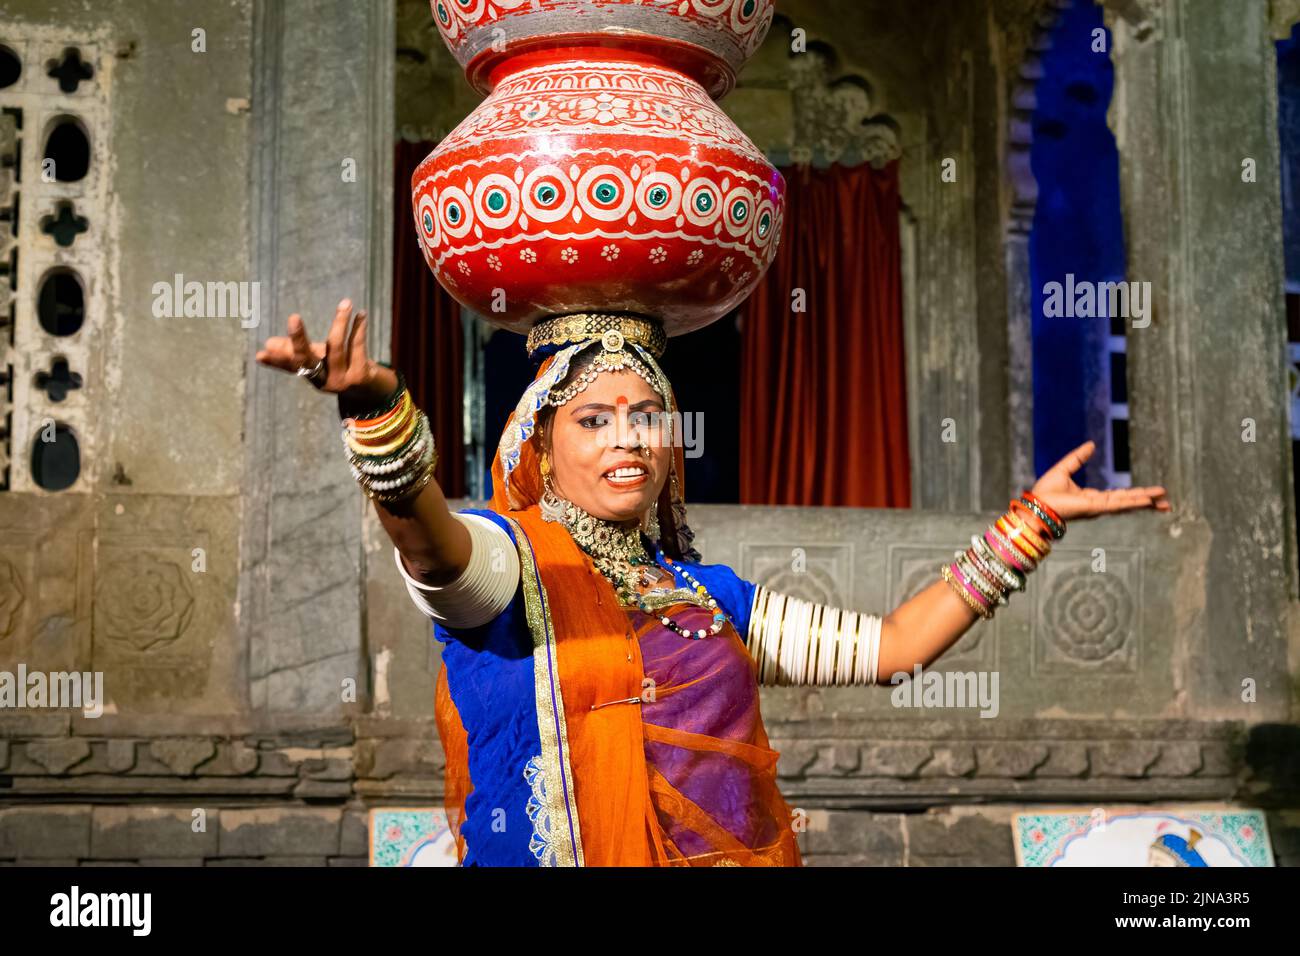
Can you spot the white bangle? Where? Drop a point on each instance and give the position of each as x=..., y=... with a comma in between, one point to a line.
x=844, y=650
x=483, y=590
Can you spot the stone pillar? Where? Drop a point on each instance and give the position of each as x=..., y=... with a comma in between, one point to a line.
x=1020, y=364
x=322, y=102
x=1195, y=97
x=1025, y=42
x=999, y=326
x=946, y=380
x=960, y=335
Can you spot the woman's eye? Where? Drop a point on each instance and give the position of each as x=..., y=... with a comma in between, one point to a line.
x=648, y=419
x=594, y=421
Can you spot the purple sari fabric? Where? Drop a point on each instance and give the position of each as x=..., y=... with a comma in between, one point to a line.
x=708, y=687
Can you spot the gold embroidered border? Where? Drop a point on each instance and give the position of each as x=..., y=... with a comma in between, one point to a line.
x=566, y=837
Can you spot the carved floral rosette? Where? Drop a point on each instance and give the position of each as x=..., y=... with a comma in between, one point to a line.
x=599, y=178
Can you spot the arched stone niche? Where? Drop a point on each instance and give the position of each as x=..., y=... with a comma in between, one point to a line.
x=835, y=114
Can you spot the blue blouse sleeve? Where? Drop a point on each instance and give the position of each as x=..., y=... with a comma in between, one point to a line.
x=733, y=593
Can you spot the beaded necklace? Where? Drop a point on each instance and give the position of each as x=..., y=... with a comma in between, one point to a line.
x=706, y=601
x=620, y=555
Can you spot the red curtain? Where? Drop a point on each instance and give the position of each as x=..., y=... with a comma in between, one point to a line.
x=427, y=334
x=823, y=392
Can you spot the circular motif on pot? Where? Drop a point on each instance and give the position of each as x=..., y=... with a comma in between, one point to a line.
x=759, y=33
x=740, y=207
x=427, y=215
x=605, y=193
x=446, y=22
x=470, y=10
x=455, y=212
x=496, y=201
x=702, y=202
x=711, y=8
x=763, y=219
x=659, y=196
x=546, y=194
x=744, y=14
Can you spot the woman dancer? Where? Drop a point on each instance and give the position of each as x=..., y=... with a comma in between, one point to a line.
x=598, y=701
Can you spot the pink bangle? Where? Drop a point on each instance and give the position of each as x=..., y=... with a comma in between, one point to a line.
x=963, y=593
x=1011, y=555
x=970, y=588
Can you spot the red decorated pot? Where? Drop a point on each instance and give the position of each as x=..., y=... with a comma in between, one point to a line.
x=709, y=40
x=597, y=179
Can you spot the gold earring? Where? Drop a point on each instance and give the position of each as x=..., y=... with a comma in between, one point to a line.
x=650, y=522
x=545, y=467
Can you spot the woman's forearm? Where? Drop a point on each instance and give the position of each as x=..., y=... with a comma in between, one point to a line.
x=435, y=547
x=391, y=448
x=388, y=441
x=921, y=629
x=981, y=579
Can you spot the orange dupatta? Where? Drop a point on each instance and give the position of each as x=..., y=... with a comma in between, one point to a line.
x=586, y=637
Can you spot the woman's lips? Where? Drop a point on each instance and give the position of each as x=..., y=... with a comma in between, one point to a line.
x=626, y=483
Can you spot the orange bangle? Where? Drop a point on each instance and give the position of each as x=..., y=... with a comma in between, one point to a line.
x=1037, y=523
x=382, y=434
x=378, y=451
x=1015, y=534
x=1030, y=535
x=371, y=425
x=1048, y=511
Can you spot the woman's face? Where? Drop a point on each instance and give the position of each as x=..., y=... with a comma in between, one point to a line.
x=611, y=447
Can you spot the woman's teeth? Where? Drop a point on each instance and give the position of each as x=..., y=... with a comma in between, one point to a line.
x=625, y=475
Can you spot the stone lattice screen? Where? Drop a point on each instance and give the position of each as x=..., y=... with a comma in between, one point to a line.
x=54, y=133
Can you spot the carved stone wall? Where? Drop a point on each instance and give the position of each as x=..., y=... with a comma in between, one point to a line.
x=215, y=561
x=131, y=569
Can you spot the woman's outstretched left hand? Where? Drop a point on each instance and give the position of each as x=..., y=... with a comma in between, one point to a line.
x=1067, y=499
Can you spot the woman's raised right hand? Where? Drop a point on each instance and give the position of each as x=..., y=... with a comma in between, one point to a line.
x=348, y=371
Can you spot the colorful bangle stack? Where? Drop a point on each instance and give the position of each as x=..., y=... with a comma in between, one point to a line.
x=391, y=448
x=996, y=562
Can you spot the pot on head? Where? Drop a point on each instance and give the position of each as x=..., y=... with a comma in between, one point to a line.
x=599, y=175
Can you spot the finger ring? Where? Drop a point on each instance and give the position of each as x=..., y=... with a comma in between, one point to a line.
x=316, y=374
